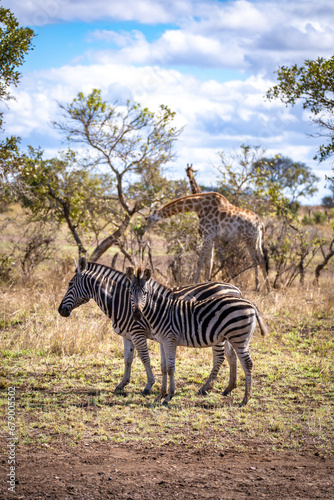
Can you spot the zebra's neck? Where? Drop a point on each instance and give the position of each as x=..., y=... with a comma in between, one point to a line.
x=159, y=297
x=100, y=282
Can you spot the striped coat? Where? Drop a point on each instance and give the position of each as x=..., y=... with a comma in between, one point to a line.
x=203, y=323
x=110, y=290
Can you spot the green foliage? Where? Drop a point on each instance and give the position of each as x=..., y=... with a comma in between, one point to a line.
x=319, y=217
x=291, y=248
x=312, y=84
x=315, y=218
x=15, y=42
x=182, y=243
x=266, y=185
x=307, y=220
x=238, y=177
x=294, y=179
x=131, y=141
x=58, y=189
x=5, y=266
x=328, y=201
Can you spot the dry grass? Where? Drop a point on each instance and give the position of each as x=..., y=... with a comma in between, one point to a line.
x=65, y=371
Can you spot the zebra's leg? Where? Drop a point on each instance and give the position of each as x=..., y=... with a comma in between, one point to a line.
x=170, y=354
x=163, y=364
x=140, y=343
x=247, y=365
x=218, y=356
x=128, y=358
x=232, y=361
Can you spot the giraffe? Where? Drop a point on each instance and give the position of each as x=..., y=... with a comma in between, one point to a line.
x=218, y=218
x=195, y=189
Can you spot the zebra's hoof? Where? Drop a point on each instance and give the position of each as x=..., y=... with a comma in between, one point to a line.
x=146, y=392
x=226, y=393
x=202, y=392
x=120, y=393
x=164, y=403
x=243, y=403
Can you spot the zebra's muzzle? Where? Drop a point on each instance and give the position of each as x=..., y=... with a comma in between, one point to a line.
x=137, y=315
x=64, y=311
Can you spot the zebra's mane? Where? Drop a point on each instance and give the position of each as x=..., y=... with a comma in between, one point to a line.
x=94, y=268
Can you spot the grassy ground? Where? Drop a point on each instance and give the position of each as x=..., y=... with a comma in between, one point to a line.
x=65, y=371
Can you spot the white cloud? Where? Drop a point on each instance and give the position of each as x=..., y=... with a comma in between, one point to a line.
x=241, y=35
x=217, y=115
x=250, y=36
x=41, y=12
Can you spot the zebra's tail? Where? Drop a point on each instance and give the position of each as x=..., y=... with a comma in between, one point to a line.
x=262, y=325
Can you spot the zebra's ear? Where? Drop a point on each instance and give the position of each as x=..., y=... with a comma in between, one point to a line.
x=147, y=274
x=82, y=264
x=130, y=273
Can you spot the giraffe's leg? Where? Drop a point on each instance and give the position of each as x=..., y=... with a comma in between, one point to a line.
x=254, y=256
x=258, y=259
x=232, y=361
x=209, y=264
x=218, y=355
x=262, y=262
x=128, y=358
x=257, y=283
x=205, y=258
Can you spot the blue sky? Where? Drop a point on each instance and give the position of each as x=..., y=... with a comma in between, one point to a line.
x=210, y=61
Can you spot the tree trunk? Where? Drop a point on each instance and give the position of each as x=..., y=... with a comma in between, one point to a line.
x=113, y=239
x=325, y=261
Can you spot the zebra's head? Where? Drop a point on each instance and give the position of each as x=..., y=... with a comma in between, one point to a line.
x=76, y=294
x=138, y=290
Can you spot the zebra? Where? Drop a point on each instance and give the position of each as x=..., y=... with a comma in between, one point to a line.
x=200, y=323
x=110, y=290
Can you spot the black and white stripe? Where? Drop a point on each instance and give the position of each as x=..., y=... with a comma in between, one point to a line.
x=110, y=290
x=202, y=323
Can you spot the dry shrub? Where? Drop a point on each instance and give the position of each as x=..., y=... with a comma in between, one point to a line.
x=30, y=319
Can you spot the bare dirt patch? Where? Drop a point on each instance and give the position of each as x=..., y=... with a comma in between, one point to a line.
x=105, y=470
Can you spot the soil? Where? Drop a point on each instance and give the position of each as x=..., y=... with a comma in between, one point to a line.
x=105, y=470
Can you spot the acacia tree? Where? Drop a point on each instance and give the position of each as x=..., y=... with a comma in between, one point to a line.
x=328, y=200
x=248, y=178
x=131, y=141
x=313, y=85
x=237, y=173
x=15, y=41
x=59, y=190
x=294, y=178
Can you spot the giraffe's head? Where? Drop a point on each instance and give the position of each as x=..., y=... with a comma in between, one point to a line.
x=138, y=290
x=152, y=218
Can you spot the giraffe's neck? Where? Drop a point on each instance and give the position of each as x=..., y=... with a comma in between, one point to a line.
x=195, y=203
x=195, y=189
x=186, y=204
